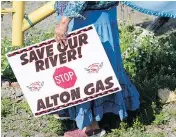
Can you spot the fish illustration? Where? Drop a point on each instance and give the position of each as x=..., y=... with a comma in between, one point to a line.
x=94, y=68
x=36, y=86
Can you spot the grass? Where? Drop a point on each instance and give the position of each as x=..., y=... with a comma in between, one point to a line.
x=151, y=67
x=25, y=134
x=161, y=118
x=13, y=112
x=137, y=130
x=6, y=107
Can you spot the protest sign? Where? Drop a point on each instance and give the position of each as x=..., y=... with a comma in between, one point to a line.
x=54, y=77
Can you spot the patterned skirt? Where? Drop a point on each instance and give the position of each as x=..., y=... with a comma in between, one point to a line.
x=105, y=22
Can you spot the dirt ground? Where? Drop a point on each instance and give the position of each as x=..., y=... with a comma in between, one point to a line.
x=125, y=14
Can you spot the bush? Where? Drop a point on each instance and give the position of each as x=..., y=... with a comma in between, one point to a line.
x=151, y=65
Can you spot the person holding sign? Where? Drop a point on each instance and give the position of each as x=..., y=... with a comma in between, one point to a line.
x=73, y=15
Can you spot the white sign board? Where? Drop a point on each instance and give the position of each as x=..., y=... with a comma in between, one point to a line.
x=55, y=77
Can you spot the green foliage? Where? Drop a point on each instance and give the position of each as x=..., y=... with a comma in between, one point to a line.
x=24, y=106
x=13, y=112
x=153, y=64
x=10, y=107
x=136, y=130
x=161, y=118
x=137, y=124
x=128, y=33
x=53, y=126
x=151, y=67
x=6, y=47
x=6, y=107
x=25, y=134
x=33, y=36
x=125, y=36
x=57, y=126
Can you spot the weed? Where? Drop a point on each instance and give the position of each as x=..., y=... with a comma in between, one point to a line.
x=161, y=118
x=25, y=134
x=54, y=126
x=25, y=107
x=6, y=107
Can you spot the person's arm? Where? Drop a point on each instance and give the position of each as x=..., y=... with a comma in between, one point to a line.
x=74, y=9
x=61, y=30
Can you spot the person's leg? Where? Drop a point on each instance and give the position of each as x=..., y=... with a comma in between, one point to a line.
x=93, y=126
x=85, y=117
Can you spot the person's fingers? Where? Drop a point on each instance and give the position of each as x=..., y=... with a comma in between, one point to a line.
x=57, y=38
x=64, y=39
x=60, y=40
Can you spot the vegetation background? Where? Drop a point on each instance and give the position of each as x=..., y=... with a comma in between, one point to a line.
x=150, y=63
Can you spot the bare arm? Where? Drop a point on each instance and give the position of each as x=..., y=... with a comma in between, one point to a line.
x=61, y=30
x=73, y=10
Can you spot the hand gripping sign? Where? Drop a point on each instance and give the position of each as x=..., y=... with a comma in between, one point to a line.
x=55, y=77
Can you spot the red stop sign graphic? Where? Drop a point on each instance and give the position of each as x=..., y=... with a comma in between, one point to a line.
x=64, y=77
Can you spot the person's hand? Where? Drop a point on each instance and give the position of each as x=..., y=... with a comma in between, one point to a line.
x=61, y=31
